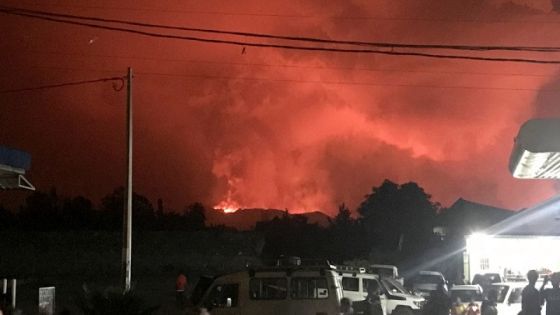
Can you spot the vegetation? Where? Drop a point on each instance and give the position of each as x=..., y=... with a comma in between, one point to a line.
x=394, y=222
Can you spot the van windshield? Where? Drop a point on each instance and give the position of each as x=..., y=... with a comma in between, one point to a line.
x=393, y=286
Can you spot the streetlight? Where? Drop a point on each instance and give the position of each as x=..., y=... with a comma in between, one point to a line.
x=536, y=150
x=127, y=211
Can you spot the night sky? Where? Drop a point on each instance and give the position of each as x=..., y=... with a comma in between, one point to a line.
x=266, y=127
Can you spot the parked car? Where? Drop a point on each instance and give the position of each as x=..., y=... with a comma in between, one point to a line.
x=467, y=293
x=509, y=296
x=395, y=299
x=425, y=282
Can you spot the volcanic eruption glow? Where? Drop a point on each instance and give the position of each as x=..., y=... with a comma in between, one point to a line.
x=276, y=128
x=227, y=206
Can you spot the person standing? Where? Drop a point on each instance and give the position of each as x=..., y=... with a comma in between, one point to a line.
x=489, y=305
x=530, y=297
x=373, y=302
x=180, y=288
x=346, y=307
x=438, y=303
x=552, y=295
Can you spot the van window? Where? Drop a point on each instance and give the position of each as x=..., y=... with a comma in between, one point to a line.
x=393, y=286
x=350, y=284
x=367, y=282
x=309, y=288
x=502, y=292
x=223, y=295
x=268, y=288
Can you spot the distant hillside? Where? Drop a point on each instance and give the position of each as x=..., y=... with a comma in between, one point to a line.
x=246, y=219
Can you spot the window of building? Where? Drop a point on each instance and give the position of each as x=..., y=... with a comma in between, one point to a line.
x=484, y=263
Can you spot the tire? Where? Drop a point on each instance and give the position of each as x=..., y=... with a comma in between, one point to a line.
x=402, y=311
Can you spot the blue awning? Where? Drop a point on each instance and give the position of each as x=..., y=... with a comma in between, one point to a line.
x=15, y=158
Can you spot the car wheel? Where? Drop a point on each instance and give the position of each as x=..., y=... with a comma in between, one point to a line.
x=402, y=311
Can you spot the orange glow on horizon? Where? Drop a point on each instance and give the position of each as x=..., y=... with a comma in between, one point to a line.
x=227, y=206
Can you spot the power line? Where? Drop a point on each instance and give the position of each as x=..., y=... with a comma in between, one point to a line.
x=294, y=66
x=52, y=86
x=291, y=47
x=289, y=38
x=296, y=81
x=291, y=16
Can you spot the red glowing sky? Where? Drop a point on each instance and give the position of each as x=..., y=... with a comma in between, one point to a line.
x=277, y=128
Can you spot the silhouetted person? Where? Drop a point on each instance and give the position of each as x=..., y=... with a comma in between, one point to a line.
x=552, y=296
x=530, y=296
x=438, y=303
x=180, y=288
x=372, y=305
x=346, y=307
x=489, y=305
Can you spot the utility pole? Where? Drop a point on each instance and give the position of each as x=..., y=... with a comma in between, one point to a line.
x=127, y=211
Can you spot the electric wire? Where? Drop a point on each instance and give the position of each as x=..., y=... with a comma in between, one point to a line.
x=290, y=66
x=281, y=46
x=288, y=38
x=301, y=81
x=59, y=85
x=292, y=16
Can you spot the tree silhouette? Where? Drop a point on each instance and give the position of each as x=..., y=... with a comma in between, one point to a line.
x=398, y=217
x=346, y=236
x=195, y=217
x=41, y=211
x=78, y=213
x=143, y=214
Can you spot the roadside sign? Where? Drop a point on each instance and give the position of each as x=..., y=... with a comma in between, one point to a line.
x=46, y=301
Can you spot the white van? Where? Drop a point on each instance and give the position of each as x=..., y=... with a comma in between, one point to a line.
x=395, y=299
x=274, y=291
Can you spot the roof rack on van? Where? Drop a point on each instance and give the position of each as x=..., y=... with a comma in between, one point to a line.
x=294, y=261
x=347, y=268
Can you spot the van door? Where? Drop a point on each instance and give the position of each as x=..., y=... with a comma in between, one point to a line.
x=382, y=298
x=223, y=299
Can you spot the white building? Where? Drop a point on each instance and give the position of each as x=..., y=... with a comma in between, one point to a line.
x=528, y=240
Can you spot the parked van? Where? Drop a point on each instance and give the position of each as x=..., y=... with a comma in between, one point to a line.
x=386, y=271
x=275, y=291
x=425, y=282
x=395, y=299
